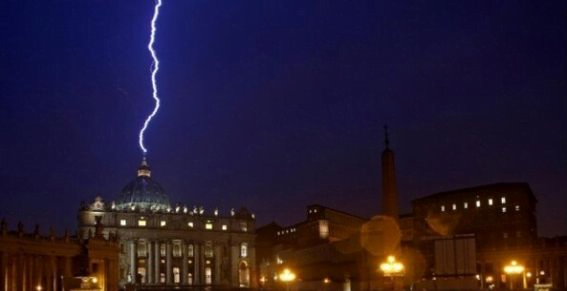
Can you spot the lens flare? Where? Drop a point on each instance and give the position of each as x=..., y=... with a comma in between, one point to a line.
x=154, y=70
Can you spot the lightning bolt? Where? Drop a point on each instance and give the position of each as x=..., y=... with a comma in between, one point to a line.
x=154, y=70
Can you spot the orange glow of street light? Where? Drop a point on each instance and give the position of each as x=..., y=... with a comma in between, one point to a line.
x=391, y=266
x=513, y=268
x=287, y=275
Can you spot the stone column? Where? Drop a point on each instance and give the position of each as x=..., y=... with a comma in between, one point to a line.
x=21, y=271
x=184, y=263
x=156, y=262
x=133, y=270
x=168, y=278
x=149, y=265
x=197, y=263
x=52, y=274
x=216, y=263
x=202, y=262
x=39, y=262
x=3, y=268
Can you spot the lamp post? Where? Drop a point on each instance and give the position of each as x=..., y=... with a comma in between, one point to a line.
x=392, y=268
x=286, y=276
x=513, y=269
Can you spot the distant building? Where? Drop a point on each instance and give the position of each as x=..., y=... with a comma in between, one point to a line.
x=174, y=245
x=33, y=261
x=324, y=250
x=332, y=249
x=502, y=219
x=500, y=215
x=459, y=239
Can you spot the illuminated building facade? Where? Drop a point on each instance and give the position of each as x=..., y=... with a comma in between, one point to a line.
x=173, y=245
x=324, y=250
x=500, y=215
x=34, y=261
x=502, y=220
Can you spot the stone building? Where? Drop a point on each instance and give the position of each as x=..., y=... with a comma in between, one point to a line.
x=332, y=249
x=451, y=240
x=32, y=261
x=174, y=245
x=502, y=220
x=325, y=250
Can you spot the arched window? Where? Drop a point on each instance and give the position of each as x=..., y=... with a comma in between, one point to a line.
x=177, y=249
x=142, y=250
x=244, y=250
x=208, y=276
x=163, y=249
x=190, y=250
x=176, y=275
x=208, y=249
x=243, y=275
x=189, y=278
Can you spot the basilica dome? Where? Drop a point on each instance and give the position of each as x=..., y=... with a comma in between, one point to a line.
x=142, y=193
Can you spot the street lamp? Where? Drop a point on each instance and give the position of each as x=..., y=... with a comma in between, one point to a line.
x=513, y=269
x=392, y=268
x=287, y=276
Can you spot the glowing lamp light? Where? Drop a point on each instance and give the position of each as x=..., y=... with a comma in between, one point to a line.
x=513, y=268
x=95, y=280
x=286, y=275
x=38, y=288
x=489, y=279
x=391, y=267
x=326, y=280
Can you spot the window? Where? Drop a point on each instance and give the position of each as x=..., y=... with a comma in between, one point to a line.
x=466, y=205
x=208, y=249
x=177, y=249
x=190, y=250
x=503, y=209
x=477, y=203
x=503, y=200
x=142, y=222
x=122, y=222
x=209, y=225
x=224, y=227
x=208, y=276
x=176, y=275
x=489, y=201
x=142, y=250
x=517, y=207
x=142, y=272
x=190, y=224
x=162, y=223
x=163, y=249
x=244, y=250
x=442, y=208
x=189, y=278
x=243, y=226
x=323, y=229
x=162, y=277
x=454, y=206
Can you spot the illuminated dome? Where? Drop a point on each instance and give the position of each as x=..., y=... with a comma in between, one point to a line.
x=143, y=193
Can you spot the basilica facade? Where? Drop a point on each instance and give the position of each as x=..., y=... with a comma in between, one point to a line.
x=173, y=245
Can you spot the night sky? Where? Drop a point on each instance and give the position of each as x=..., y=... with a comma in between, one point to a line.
x=275, y=105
